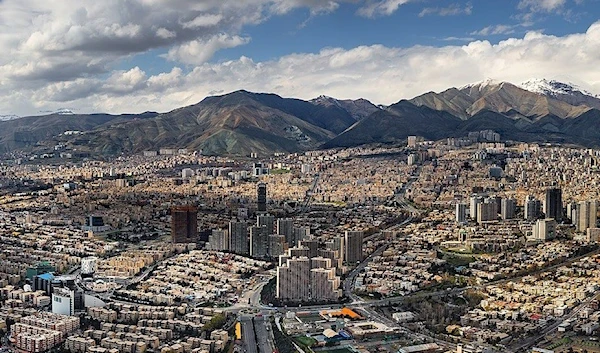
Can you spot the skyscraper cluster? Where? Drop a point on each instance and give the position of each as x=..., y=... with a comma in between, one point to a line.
x=267, y=238
x=308, y=272
x=304, y=279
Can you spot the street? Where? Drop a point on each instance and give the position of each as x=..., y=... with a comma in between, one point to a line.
x=248, y=334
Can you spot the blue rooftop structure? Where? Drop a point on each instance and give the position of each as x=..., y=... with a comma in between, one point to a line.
x=47, y=276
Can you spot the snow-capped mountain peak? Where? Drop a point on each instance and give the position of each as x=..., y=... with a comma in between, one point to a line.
x=64, y=111
x=482, y=84
x=554, y=88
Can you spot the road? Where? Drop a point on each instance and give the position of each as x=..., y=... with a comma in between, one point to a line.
x=248, y=334
x=310, y=193
x=262, y=326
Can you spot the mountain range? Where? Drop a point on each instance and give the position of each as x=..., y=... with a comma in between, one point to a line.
x=242, y=122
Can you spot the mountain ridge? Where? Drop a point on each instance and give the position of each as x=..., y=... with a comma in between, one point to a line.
x=243, y=122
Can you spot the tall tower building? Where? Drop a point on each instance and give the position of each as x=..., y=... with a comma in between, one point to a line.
x=239, y=240
x=553, y=207
x=259, y=242
x=572, y=212
x=293, y=280
x=353, y=241
x=63, y=301
x=266, y=220
x=219, y=240
x=532, y=208
x=300, y=234
x=544, y=229
x=285, y=227
x=184, y=224
x=301, y=279
x=276, y=245
x=587, y=215
x=312, y=245
x=261, y=197
x=412, y=141
x=486, y=212
x=337, y=244
x=507, y=209
x=461, y=213
x=475, y=200
x=324, y=284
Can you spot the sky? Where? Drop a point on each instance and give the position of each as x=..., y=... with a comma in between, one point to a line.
x=131, y=56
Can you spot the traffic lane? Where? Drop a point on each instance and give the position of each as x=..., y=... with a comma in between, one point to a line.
x=262, y=334
x=248, y=335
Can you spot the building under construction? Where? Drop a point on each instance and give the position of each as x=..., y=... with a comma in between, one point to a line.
x=184, y=224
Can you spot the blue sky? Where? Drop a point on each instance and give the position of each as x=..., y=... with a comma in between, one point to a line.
x=139, y=55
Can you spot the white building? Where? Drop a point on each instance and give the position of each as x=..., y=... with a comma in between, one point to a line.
x=187, y=173
x=89, y=265
x=587, y=215
x=63, y=301
x=544, y=229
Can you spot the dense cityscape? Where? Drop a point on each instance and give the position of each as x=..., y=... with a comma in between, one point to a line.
x=299, y=176
x=457, y=245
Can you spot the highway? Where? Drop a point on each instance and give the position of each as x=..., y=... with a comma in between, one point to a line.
x=248, y=334
x=262, y=327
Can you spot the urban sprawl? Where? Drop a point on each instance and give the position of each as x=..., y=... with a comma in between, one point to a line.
x=467, y=244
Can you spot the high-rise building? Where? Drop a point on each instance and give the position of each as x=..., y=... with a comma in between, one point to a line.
x=293, y=280
x=461, y=213
x=337, y=244
x=412, y=159
x=572, y=212
x=301, y=279
x=266, y=220
x=259, y=242
x=63, y=301
x=593, y=235
x=532, y=208
x=473, y=202
x=219, y=240
x=353, y=242
x=332, y=255
x=587, y=215
x=507, y=208
x=298, y=251
x=184, y=224
x=258, y=169
x=312, y=245
x=553, y=207
x=239, y=239
x=261, y=197
x=300, y=234
x=285, y=227
x=324, y=285
x=276, y=245
x=544, y=229
x=486, y=212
